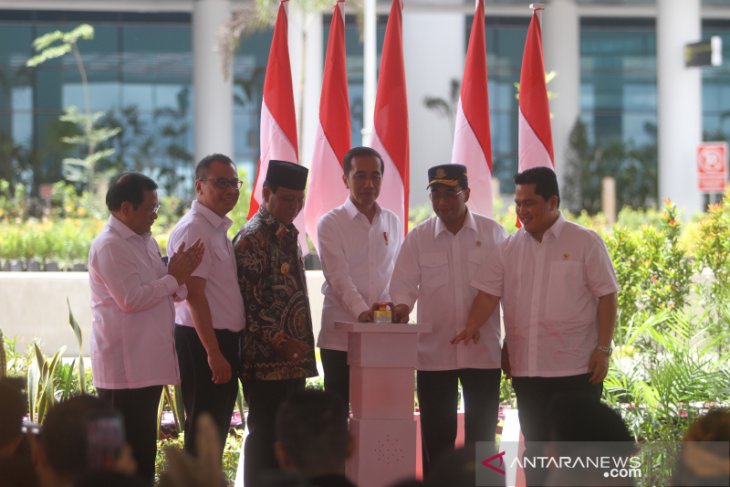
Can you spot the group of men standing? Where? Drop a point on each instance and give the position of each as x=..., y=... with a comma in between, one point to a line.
x=239, y=309
x=220, y=310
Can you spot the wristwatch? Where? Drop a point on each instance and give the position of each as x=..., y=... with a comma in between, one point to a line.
x=607, y=350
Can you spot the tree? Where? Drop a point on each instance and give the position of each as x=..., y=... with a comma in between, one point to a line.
x=446, y=107
x=571, y=194
x=82, y=170
x=261, y=14
x=633, y=167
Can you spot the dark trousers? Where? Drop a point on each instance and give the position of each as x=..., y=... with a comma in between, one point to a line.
x=533, y=397
x=437, y=401
x=199, y=393
x=263, y=398
x=139, y=410
x=336, y=372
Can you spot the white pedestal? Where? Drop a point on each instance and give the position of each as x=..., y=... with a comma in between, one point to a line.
x=382, y=359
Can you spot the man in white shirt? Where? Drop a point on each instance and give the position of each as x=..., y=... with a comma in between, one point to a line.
x=132, y=349
x=558, y=291
x=436, y=263
x=358, y=244
x=210, y=321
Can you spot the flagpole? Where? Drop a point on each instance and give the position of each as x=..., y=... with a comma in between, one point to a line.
x=370, y=69
x=537, y=8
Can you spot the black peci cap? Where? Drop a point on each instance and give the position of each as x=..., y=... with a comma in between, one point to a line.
x=286, y=174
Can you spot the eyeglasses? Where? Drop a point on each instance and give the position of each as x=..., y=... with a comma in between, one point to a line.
x=444, y=195
x=151, y=210
x=223, y=183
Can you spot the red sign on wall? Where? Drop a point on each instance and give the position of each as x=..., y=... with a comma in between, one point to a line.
x=712, y=166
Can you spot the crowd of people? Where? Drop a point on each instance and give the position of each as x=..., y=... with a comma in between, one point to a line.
x=220, y=310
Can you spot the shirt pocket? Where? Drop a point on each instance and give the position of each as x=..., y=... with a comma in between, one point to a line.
x=475, y=258
x=565, y=285
x=434, y=270
x=220, y=253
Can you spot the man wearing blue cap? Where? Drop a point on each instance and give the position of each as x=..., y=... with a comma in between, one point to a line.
x=278, y=344
x=435, y=266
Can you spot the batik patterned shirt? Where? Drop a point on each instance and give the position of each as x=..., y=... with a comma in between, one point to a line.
x=278, y=342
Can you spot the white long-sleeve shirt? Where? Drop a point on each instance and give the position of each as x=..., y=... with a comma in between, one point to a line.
x=357, y=261
x=436, y=267
x=132, y=308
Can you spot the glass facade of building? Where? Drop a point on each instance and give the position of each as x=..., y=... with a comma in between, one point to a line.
x=716, y=86
x=139, y=68
x=505, y=43
x=618, y=98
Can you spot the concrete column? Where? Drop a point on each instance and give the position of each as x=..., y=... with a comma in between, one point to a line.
x=679, y=103
x=213, y=92
x=561, y=41
x=434, y=45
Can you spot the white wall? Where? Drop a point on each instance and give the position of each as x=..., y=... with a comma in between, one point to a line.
x=33, y=307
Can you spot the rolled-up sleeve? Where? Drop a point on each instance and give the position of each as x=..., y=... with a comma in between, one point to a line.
x=490, y=276
x=600, y=274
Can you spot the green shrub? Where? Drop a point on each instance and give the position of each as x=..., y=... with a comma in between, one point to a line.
x=229, y=461
x=653, y=272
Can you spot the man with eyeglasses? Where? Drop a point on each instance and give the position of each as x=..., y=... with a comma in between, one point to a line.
x=435, y=266
x=358, y=244
x=132, y=349
x=278, y=343
x=210, y=321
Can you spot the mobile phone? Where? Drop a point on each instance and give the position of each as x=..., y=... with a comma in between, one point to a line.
x=31, y=428
x=105, y=439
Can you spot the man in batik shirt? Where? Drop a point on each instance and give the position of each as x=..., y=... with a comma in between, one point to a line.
x=278, y=344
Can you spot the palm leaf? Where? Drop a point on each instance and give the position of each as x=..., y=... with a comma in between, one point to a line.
x=79, y=339
x=32, y=381
x=160, y=408
x=173, y=396
x=3, y=356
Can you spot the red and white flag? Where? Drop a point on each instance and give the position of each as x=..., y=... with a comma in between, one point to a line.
x=278, y=117
x=472, y=138
x=390, y=134
x=334, y=134
x=535, y=138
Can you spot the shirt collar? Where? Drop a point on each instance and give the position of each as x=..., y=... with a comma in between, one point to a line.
x=123, y=230
x=352, y=210
x=268, y=219
x=469, y=222
x=213, y=218
x=556, y=228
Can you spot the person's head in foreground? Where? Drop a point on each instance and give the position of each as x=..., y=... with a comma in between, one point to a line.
x=312, y=436
x=704, y=458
